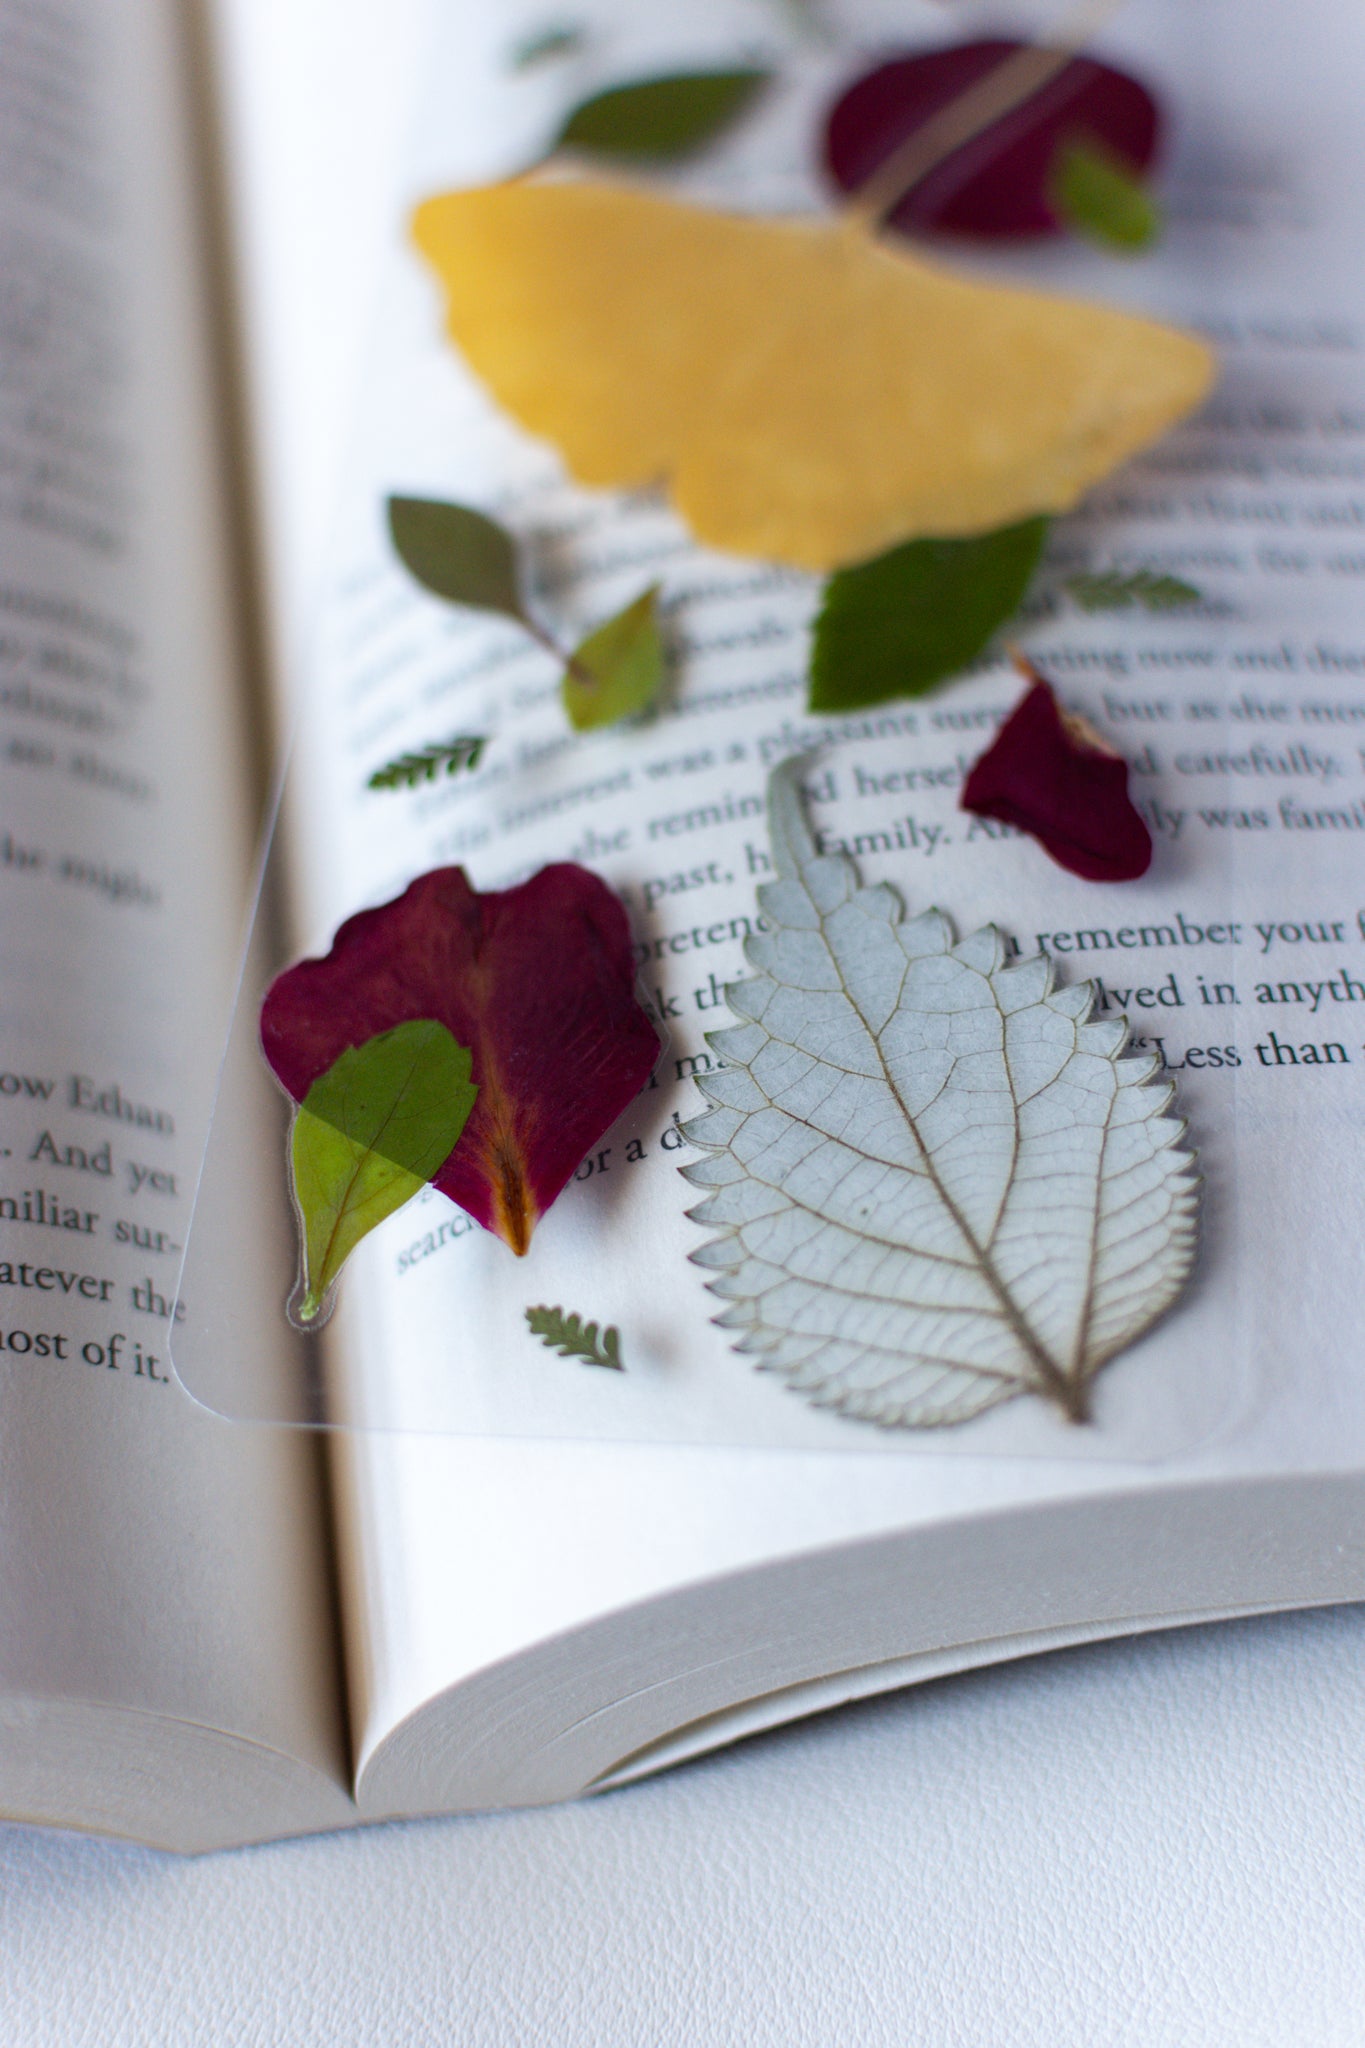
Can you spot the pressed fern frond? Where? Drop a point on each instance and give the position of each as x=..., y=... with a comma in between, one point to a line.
x=572, y=1338
x=428, y=763
x=1108, y=590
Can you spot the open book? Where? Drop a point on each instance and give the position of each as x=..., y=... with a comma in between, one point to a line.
x=215, y=1628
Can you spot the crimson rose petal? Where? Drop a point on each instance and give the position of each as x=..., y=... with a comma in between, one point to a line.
x=1054, y=778
x=997, y=183
x=538, y=982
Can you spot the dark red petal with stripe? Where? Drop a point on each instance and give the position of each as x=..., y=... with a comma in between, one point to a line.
x=997, y=184
x=538, y=982
x=1056, y=781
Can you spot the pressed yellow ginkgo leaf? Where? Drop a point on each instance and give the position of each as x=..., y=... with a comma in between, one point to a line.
x=809, y=395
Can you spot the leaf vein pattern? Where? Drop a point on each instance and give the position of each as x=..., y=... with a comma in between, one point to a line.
x=1034, y=1160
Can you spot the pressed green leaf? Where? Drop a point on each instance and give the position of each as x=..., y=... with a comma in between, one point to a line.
x=1109, y=590
x=543, y=46
x=446, y=757
x=572, y=1338
x=895, y=626
x=1097, y=194
x=655, y=120
x=370, y=1132
x=458, y=554
x=619, y=668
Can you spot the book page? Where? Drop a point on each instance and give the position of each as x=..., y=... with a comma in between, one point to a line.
x=1237, y=719
x=156, y=1561
x=672, y=814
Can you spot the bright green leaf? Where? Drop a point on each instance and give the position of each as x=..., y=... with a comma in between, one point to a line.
x=895, y=626
x=656, y=120
x=458, y=554
x=619, y=668
x=370, y=1132
x=1097, y=194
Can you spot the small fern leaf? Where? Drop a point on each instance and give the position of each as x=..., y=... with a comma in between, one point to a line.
x=443, y=757
x=1109, y=590
x=938, y=1184
x=572, y=1338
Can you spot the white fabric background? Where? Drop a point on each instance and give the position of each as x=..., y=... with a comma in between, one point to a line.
x=1156, y=1843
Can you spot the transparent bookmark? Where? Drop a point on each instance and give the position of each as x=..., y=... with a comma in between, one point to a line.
x=909, y=1172
x=840, y=1211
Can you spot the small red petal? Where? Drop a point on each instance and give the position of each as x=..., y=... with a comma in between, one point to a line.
x=996, y=184
x=1070, y=795
x=538, y=982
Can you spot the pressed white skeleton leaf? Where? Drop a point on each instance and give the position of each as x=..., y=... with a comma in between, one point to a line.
x=939, y=1186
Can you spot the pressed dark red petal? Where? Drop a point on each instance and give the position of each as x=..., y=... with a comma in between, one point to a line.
x=997, y=184
x=538, y=982
x=1070, y=795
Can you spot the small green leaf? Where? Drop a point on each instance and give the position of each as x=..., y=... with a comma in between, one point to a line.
x=1097, y=194
x=656, y=120
x=448, y=756
x=618, y=669
x=571, y=1338
x=370, y=1132
x=458, y=554
x=1109, y=590
x=543, y=46
x=895, y=626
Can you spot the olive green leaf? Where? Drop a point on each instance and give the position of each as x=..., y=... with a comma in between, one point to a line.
x=458, y=554
x=895, y=626
x=657, y=120
x=371, y=1131
x=619, y=668
x=1099, y=196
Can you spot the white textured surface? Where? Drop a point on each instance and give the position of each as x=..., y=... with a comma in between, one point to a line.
x=1156, y=1843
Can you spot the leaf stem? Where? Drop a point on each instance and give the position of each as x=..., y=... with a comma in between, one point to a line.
x=579, y=670
x=1071, y=1395
x=1073, y=1398
x=1006, y=86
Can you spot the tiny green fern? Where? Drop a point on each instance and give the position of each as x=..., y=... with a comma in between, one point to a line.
x=1109, y=590
x=428, y=763
x=572, y=1338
